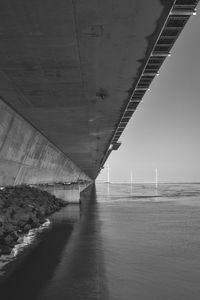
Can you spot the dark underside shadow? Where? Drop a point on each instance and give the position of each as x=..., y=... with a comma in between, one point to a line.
x=37, y=267
x=67, y=263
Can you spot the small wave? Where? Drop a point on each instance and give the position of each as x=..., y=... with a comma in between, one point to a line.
x=146, y=198
x=23, y=242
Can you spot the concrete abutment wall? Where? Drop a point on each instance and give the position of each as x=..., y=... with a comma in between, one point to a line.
x=27, y=157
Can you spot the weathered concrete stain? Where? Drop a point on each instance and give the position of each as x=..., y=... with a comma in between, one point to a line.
x=70, y=193
x=68, y=67
x=26, y=156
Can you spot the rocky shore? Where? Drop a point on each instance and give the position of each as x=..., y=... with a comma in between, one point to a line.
x=22, y=208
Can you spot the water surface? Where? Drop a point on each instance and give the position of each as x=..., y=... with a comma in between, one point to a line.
x=126, y=242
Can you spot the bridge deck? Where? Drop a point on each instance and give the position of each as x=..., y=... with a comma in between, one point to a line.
x=78, y=69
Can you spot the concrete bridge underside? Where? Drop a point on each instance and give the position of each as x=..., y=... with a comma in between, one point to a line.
x=69, y=69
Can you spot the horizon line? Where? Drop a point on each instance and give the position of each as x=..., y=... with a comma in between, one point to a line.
x=150, y=182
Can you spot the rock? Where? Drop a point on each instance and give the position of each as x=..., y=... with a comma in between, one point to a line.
x=14, y=235
x=34, y=221
x=8, y=240
x=2, y=220
x=5, y=249
x=27, y=227
x=1, y=233
x=22, y=208
x=8, y=227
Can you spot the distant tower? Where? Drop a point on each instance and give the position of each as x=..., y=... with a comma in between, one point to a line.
x=156, y=177
x=131, y=174
x=108, y=174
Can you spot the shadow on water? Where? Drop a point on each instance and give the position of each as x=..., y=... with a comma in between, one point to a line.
x=81, y=275
x=66, y=263
x=37, y=267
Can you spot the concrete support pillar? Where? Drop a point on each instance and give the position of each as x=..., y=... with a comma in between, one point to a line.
x=70, y=193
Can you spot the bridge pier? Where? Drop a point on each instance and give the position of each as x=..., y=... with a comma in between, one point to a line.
x=70, y=193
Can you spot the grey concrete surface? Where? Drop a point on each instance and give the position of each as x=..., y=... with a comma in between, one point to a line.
x=28, y=157
x=70, y=193
x=69, y=67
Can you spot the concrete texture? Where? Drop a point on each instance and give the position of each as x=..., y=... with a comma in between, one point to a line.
x=69, y=67
x=70, y=193
x=26, y=156
x=21, y=209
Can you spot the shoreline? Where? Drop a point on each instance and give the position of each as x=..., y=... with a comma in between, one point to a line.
x=23, y=208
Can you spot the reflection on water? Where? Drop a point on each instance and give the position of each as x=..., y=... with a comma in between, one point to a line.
x=67, y=261
x=151, y=241
x=108, y=189
x=81, y=271
x=123, y=243
x=37, y=265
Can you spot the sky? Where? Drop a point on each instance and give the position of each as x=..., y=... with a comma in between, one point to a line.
x=164, y=132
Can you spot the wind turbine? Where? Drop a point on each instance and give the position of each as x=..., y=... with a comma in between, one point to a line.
x=131, y=174
x=156, y=170
x=108, y=174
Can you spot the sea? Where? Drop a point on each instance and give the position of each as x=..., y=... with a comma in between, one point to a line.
x=124, y=242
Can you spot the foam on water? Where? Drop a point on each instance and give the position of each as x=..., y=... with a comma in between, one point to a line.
x=130, y=242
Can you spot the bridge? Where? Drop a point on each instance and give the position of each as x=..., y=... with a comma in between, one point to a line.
x=72, y=74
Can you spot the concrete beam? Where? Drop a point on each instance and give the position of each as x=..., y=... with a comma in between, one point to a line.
x=28, y=157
